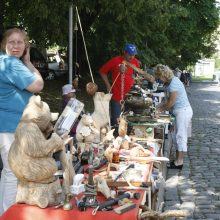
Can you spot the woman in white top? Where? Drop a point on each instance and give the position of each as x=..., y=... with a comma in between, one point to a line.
x=179, y=105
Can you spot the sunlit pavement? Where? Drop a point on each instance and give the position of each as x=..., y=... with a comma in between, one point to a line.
x=196, y=187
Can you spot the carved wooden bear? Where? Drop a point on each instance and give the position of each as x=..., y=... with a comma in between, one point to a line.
x=30, y=156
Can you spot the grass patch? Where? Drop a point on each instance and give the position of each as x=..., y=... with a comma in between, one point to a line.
x=201, y=78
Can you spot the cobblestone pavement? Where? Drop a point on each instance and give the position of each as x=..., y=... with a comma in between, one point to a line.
x=197, y=186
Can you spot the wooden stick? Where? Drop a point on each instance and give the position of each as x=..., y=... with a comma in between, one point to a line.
x=146, y=75
x=124, y=208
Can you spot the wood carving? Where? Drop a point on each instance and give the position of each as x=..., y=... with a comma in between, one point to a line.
x=102, y=186
x=88, y=131
x=30, y=156
x=101, y=109
x=123, y=127
x=145, y=75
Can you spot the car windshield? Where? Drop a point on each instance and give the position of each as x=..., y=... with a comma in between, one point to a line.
x=36, y=55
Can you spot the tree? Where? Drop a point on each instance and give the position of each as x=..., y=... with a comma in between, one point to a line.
x=193, y=30
x=173, y=32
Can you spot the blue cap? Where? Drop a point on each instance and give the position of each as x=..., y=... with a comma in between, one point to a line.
x=130, y=49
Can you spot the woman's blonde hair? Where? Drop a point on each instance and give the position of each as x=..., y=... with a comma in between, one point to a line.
x=9, y=32
x=164, y=71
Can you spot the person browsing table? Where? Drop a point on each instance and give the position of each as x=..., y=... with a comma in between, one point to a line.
x=179, y=105
x=122, y=80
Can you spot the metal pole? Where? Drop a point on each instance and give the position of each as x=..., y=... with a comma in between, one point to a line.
x=70, y=44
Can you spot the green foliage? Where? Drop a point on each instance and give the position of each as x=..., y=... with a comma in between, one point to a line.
x=173, y=32
x=217, y=63
x=193, y=31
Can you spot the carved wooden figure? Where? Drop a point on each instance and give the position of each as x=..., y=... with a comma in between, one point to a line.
x=101, y=115
x=88, y=130
x=30, y=156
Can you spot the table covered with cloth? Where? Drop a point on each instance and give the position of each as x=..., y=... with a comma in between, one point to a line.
x=29, y=212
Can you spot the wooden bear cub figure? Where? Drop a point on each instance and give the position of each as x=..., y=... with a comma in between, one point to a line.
x=30, y=156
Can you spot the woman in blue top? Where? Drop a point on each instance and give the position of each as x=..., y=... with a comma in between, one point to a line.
x=19, y=79
x=178, y=103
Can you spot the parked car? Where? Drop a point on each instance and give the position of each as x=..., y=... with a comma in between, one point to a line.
x=40, y=63
x=57, y=64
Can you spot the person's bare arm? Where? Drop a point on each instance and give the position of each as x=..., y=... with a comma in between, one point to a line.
x=38, y=83
x=167, y=105
x=106, y=81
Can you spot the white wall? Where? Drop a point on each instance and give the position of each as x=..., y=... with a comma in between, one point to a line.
x=205, y=67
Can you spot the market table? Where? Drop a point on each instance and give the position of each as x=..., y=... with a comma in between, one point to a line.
x=28, y=212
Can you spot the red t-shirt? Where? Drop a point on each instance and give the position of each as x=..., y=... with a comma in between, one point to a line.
x=113, y=66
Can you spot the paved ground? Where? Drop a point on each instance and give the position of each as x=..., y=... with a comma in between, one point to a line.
x=197, y=186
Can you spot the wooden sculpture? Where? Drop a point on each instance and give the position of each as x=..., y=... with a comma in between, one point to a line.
x=30, y=157
x=88, y=131
x=101, y=109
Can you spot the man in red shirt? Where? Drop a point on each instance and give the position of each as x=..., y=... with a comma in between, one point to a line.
x=122, y=80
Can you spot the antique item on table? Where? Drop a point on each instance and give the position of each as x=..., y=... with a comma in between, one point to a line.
x=141, y=151
x=136, y=151
x=67, y=166
x=128, y=174
x=115, y=157
x=127, y=194
x=123, y=127
x=98, y=166
x=77, y=165
x=145, y=159
x=67, y=203
x=108, y=138
x=120, y=174
x=77, y=187
x=103, y=187
x=89, y=199
x=30, y=157
x=109, y=152
x=84, y=156
x=124, y=208
x=139, y=102
x=69, y=116
x=88, y=131
x=132, y=175
x=122, y=142
x=103, y=132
